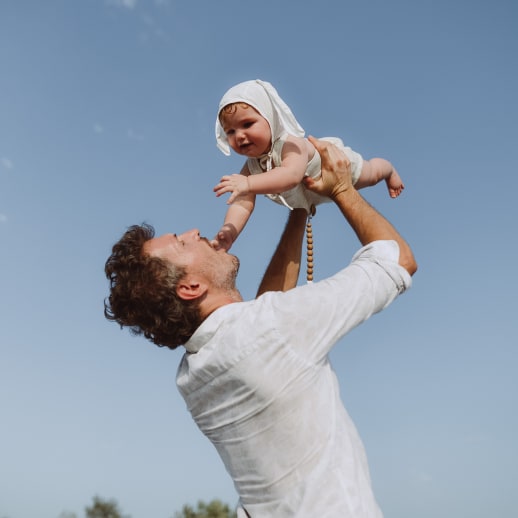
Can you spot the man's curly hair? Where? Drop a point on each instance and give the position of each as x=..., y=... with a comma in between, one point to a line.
x=143, y=292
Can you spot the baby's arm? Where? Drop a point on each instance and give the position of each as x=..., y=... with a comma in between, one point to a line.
x=295, y=156
x=377, y=169
x=289, y=174
x=235, y=220
x=236, y=217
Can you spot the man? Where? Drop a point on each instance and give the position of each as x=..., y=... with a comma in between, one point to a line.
x=256, y=375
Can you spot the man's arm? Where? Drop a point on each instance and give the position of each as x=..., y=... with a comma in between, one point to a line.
x=368, y=224
x=283, y=271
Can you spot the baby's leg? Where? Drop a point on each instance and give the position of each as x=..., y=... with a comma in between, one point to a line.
x=394, y=184
x=377, y=169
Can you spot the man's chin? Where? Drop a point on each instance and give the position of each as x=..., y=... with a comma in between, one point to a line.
x=237, y=264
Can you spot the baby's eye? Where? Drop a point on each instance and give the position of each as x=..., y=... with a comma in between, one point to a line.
x=229, y=132
x=247, y=124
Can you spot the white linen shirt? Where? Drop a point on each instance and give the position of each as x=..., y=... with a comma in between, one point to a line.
x=257, y=380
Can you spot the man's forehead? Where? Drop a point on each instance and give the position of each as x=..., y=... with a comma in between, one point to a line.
x=154, y=245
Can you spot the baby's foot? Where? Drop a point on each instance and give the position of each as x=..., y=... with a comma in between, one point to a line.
x=394, y=184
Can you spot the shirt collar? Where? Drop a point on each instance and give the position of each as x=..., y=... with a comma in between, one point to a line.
x=207, y=329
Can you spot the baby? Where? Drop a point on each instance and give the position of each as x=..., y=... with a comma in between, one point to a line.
x=255, y=122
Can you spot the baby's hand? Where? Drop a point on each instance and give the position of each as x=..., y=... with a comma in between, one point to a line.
x=224, y=238
x=215, y=243
x=235, y=183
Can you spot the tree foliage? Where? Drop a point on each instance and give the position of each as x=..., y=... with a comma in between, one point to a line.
x=214, y=509
x=102, y=508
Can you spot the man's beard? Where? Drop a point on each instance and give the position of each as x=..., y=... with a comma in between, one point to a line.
x=226, y=278
x=232, y=273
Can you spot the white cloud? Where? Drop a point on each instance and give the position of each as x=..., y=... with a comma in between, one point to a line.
x=134, y=136
x=128, y=4
x=424, y=477
x=6, y=163
x=152, y=26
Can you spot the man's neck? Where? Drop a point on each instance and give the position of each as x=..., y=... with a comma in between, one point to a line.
x=215, y=301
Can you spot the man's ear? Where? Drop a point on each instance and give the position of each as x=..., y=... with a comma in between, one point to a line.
x=190, y=289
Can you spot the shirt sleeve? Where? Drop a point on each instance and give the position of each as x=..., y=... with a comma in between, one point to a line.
x=315, y=316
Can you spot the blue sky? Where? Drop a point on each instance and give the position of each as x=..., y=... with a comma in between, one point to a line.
x=107, y=113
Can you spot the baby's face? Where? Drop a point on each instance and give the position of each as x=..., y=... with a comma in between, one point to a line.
x=248, y=132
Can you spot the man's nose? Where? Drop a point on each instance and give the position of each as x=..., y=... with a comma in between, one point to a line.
x=193, y=234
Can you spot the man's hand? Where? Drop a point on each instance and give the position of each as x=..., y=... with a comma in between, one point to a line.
x=336, y=171
x=235, y=183
x=368, y=224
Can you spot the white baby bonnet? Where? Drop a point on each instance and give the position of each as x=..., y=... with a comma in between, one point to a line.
x=262, y=96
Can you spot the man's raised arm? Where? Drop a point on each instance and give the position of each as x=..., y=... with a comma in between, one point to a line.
x=368, y=224
x=283, y=271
